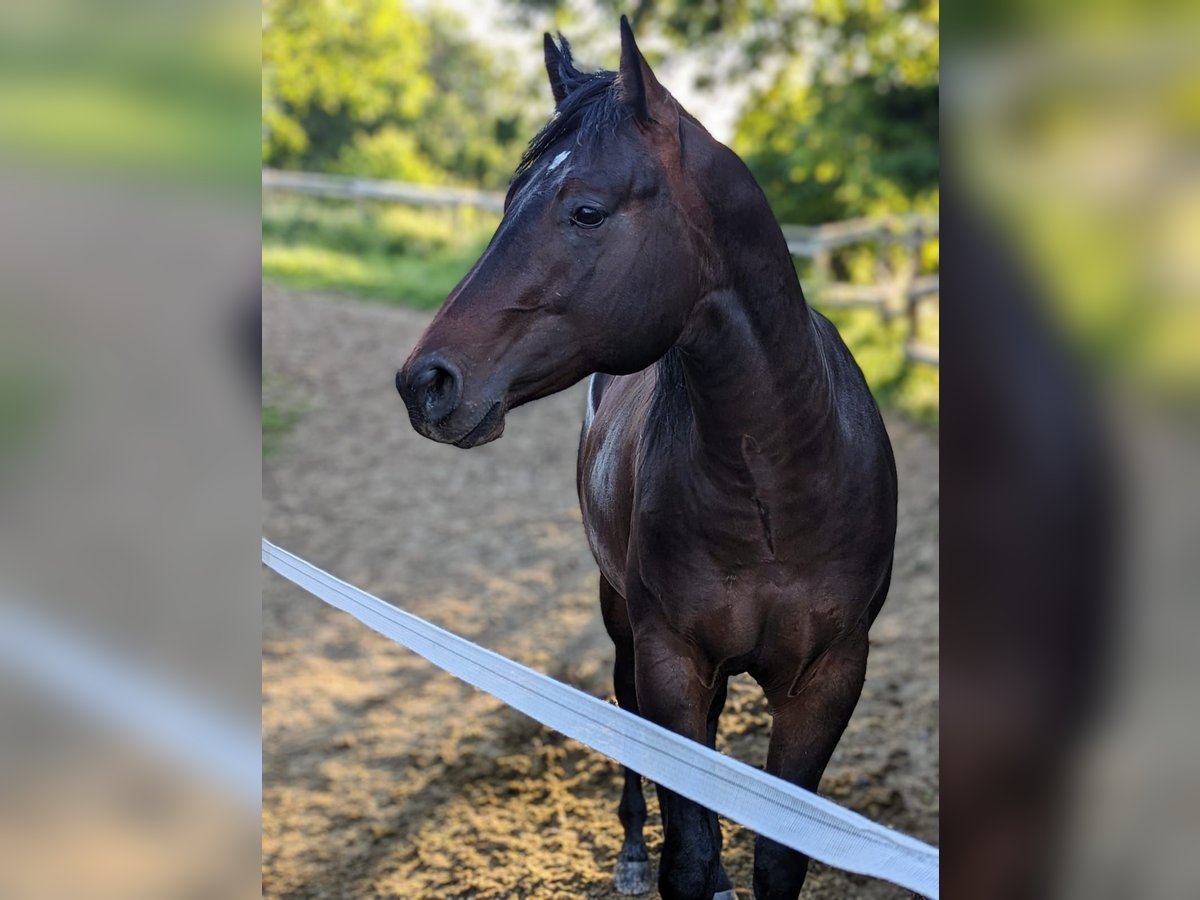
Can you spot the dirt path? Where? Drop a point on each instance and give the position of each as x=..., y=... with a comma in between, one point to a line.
x=386, y=778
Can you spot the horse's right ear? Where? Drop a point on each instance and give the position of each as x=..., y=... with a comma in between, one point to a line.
x=554, y=68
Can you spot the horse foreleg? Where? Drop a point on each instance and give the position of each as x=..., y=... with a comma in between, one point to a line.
x=806, y=727
x=673, y=693
x=724, y=889
x=633, y=874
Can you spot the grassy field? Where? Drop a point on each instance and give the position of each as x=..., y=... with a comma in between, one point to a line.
x=389, y=253
x=281, y=412
x=414, y=257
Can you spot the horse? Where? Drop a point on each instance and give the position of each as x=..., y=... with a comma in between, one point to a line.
x=735, y=477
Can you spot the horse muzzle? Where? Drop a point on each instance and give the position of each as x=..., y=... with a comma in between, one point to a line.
x=432, y=389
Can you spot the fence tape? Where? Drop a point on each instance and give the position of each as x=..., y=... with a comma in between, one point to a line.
x=763, y=803
x=95, y=683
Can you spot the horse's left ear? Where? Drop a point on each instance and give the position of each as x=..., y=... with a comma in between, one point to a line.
x=554, y=66
x=638, y=88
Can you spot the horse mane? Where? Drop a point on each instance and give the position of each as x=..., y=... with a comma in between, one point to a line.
x=590, y=108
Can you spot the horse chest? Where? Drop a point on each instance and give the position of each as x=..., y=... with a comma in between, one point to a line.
x=605, y=490
x=668, y=520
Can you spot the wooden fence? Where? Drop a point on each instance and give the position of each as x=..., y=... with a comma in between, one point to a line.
x=899, y=289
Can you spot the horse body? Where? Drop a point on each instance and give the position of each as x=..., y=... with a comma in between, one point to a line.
x=740, y=531
x=729, y=553
x=735, y=478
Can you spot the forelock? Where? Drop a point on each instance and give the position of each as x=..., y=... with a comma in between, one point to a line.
x=590, y=110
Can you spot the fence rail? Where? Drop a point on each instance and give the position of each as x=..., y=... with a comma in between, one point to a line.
x=343, y=187
x=765, y=804
x=897, y=293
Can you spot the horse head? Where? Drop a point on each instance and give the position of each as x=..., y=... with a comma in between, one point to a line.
x=594, y=267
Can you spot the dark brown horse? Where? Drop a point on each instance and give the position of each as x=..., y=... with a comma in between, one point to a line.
x=736, y=480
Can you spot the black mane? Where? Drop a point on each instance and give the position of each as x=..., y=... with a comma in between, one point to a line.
x=591, y=107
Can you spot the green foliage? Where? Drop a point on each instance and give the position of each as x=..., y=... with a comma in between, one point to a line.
x=281, y=412
x=855, y=131
x=369, y=87
x=120, y=89
x=482, y=118
x=330, y=69
x=390, y=153
x=395, y=254
x=832, y=152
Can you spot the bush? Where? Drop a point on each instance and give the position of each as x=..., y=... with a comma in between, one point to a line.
x=389, y=154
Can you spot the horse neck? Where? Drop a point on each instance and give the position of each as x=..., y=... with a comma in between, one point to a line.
x=751, y=355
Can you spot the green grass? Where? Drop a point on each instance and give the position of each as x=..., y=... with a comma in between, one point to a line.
x=396, y=255
x=404, y=281
x=281, y=412
x=29, y=398
x=277, y=423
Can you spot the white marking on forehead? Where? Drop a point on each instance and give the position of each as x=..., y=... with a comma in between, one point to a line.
x=539, y=181
x=558, y=160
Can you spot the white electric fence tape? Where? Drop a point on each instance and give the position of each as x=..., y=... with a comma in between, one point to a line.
x=763, y=803
x=96, y=685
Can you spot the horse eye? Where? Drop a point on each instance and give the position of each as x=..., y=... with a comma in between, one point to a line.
x=588, y=217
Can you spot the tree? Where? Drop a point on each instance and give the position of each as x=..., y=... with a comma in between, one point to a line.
x=369, y=87
x=854, y=130
x=331, y=70
x=481, y=119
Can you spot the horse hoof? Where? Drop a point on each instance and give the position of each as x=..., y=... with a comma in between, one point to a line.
x=633, y=877
x=730, y=894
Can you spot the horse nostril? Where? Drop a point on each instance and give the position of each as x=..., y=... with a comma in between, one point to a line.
x=433, y=385
x=434, y=389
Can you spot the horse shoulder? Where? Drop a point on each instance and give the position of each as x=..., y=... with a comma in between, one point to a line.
x=605, y=474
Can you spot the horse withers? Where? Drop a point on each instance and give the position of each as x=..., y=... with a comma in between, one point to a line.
x=736, y=480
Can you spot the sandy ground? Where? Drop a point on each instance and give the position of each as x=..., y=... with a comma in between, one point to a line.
x=384, y=777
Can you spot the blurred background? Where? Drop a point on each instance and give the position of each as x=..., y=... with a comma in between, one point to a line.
x=129, y=449
x=1072, y=188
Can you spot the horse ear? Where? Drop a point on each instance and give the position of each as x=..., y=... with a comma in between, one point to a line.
x=554, y=68
x=639, y=89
